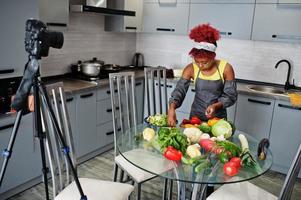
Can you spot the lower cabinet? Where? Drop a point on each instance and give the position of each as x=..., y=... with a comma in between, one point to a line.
x=71, y=107
x=25, y=162
x=105, y=134
x=86, y=133
x=254, y=115
x=285, y=135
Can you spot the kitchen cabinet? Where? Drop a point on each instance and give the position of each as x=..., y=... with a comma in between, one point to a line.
x=277, y=22
x=222, y=1
x=125, y=23
x=285, y=135
x=254, y=115
x=278, y=1
x=160, y=17
x=71, y=107
x=232, y=20
x=25, y=162
x=86, y=132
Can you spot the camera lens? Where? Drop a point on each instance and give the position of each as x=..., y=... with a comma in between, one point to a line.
x=56, y=39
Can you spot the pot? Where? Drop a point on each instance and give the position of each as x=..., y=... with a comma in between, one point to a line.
x=91, y=67
x=110, y=68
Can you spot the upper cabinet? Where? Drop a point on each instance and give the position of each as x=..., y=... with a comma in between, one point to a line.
x=277, y=22
x=125, y=23
x=222, y=1
x=278, y=1
x=233, y=20
x=54, y=12
x=163, y=16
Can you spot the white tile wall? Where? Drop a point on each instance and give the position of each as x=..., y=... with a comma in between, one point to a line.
x=252, y=60
x=85, y=38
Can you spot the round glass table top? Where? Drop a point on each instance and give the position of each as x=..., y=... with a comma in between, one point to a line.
x=146, y=156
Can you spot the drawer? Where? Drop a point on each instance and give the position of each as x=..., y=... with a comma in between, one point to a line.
x=104, y=111
x=105, y=133
x=103, y=93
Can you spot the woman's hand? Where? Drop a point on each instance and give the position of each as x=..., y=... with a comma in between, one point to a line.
x=211, y=110
x=172, y=118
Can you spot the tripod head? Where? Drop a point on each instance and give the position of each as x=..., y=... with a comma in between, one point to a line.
x=38, y=40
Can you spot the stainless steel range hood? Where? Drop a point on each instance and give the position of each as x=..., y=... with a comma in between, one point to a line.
x=101, y=6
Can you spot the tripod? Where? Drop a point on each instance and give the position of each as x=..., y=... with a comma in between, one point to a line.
x=31, y=79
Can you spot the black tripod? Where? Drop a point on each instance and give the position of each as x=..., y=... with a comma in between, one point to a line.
x=31, y=79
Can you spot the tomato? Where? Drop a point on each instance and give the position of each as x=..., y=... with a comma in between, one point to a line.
x=185, y=121
x=230, y=169
x=236, y=161
x=207, y=144
x=195, y=120
x=172, y=154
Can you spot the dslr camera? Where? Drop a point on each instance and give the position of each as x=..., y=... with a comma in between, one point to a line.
x=38, y=39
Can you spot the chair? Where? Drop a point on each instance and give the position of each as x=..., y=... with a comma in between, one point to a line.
x=63, y=187
x=122, y=89
x=247, y=190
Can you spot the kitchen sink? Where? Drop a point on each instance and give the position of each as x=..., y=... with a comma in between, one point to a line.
x=266, y=89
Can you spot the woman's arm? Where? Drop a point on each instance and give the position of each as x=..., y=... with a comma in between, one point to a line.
x=179, y=93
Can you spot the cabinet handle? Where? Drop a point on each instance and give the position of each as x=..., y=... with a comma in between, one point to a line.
x=289, y=107
x=56, y=24
x=260, y=102
x=69, y=99
x=169, y=86
x=110, y=109
x=86, y=95
x=192, y=90
x=112, y=132
x=166, y=29
x=109, y=92
x=6, y=71
x=139, y=83
x=130, y=28
x=6, y=126
x=225, y=33
x=287, y=37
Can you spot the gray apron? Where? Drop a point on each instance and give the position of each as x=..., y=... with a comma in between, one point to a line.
x=207, y=92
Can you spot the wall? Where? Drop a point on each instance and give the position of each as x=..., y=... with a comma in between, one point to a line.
x=85, y=38
x=252, y=60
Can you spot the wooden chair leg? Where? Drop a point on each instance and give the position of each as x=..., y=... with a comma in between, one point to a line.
x=115, y=173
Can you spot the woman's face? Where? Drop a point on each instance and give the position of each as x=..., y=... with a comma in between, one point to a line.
x=204, y=63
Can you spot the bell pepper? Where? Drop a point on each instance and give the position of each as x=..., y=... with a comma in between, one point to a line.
x=172, y=154
x=213, y=121
x=195, y=120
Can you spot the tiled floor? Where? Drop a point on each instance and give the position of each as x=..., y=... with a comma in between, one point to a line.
x=102, y=167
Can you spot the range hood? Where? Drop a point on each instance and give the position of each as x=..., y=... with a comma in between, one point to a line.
x=101, y=6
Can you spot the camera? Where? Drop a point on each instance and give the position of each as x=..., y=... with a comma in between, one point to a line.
x=38, y=39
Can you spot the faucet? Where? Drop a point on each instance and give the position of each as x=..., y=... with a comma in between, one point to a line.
x=287, y=85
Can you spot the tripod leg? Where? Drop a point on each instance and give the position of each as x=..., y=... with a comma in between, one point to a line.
x=8, y=151
x=40, y=134
x=62, y=141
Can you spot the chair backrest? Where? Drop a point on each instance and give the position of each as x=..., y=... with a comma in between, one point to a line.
x=155, y=90
x=291, y=177
x=57, y=160
x=123, y=100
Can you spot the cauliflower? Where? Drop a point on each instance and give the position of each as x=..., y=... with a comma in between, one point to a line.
x=148, y=134
x=205, y=136
x=193, y=134
x=193, y=151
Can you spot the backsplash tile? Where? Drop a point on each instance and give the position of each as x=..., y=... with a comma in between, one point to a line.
x=85, y=38
x=252, y=60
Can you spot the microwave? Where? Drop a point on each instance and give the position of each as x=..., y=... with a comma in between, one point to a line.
x=8, y=87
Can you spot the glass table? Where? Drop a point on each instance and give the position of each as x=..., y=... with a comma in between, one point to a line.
x=147, y=156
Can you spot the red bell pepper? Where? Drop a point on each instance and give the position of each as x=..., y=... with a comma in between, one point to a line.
x=195, y=120
x=173, y=154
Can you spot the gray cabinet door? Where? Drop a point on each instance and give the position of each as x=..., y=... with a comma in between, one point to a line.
x=277, y=22
x=232, y=20
x=159, y=18
x=86, y=123
x=254, y=115
x=285, y=135
x=25, y=162
x=54, y=12
x=71, y=106
x=105, y=134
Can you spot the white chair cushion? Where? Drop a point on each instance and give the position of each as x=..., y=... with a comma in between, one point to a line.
x=96, y=190
x=145, y=158
x=241, y=191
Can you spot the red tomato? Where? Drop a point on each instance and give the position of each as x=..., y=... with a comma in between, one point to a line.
x=230, y=169
x=237, y=162
x=186, y=121
x=172, y=154
x=195, y=120
x=207, y=144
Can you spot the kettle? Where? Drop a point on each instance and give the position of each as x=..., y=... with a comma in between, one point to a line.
x=138, y=60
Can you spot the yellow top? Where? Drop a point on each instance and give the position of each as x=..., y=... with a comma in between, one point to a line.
x=213, y=77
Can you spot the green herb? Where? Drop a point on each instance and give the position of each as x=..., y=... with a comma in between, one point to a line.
x=229, y=147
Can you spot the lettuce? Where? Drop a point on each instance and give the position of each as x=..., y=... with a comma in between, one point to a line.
x=222, y=127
